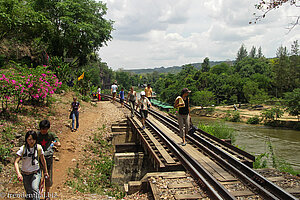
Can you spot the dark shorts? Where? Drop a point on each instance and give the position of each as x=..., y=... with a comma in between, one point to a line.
x=121, y=100
x=114, y=94
x=144, y=113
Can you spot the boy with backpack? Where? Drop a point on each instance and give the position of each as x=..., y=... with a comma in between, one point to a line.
x=31, y=153
x=47, y=140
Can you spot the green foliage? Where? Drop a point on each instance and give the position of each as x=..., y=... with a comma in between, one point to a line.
x=203, y=98
x=242, y=53
x=292, y=102
x=61, y=69
x=272, y=114
x=261, y=161
x=253, y=120
x=219, y=130
x=86, y=98
x=235, y=117
x=232, y=116
x=4, y=153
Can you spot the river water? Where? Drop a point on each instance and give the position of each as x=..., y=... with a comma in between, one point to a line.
x=253, y=139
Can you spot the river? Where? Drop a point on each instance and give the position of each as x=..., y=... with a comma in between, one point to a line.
x=253, y=139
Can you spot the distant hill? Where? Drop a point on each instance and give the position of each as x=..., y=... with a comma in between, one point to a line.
x=174, y=69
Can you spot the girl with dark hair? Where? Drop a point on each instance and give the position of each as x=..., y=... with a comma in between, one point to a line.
x=182, y=102
x=30, y=174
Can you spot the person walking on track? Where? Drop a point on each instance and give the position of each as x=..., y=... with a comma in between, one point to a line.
x=143, y=103
x=131, y=98
x=182, y=102
x=113, y=91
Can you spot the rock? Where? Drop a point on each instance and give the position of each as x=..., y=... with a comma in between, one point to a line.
x=17, y=135
x=56, y=159
x=73, y=160
x=21, y=141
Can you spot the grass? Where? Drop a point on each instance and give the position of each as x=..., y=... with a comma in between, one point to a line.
x=218, y=129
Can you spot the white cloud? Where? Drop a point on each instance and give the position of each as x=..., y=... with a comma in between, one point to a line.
x=153, y=33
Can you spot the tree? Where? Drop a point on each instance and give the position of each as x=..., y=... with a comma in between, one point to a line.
x=242, y=53
x=78, y=27
x=260, y=54
x=292, y=102
x=205, y=65
x=203, y=98
x=252, y=53
x=268, y=5
x=295, y=48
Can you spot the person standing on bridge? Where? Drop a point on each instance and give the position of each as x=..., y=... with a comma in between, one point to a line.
x=113, y=91
x=182, y=102
x=148, y=92
x=143, y=103
x=131, y=98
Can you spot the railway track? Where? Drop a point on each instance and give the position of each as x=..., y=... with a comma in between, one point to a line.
x=219, y=169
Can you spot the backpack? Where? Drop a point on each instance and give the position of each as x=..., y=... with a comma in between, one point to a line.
x=39, y=149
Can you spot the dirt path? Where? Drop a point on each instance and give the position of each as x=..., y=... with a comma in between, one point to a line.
x=72, y=143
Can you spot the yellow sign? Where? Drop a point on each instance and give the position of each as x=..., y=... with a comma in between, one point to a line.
x=81, y=77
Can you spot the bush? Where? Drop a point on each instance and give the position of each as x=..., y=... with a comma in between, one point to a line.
x=253, y=120
x=235, y=117
x=219, y=130
x=232, y=117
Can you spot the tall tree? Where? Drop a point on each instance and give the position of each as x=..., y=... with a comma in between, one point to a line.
x=205, y=65
x=252, y=53
x=242, y=53
x=78, y=27
x=295, y=48
x=259, y=53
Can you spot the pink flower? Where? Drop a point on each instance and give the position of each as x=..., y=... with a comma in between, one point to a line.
x=21, y=100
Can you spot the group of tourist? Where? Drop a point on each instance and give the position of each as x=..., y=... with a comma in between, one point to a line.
x=181, y=102
x=37, y=156
x=37, y=153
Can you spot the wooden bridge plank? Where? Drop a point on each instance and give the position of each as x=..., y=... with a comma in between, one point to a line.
x=161, y=165
x=159, y=147
x=187, y=196
x=206, y=162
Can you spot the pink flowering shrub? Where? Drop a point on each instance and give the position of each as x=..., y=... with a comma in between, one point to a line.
x=27, y=84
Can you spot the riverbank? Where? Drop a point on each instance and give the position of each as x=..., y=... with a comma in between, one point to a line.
x=245, y=113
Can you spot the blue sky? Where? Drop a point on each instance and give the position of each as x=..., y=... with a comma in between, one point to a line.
x=155, y=33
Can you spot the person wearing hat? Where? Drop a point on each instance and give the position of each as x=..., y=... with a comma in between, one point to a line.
x=143, y=103
x=182, y=102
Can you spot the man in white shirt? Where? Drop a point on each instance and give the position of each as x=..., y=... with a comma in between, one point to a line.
x=113, y=91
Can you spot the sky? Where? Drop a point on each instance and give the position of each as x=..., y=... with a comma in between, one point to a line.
x=166, y=33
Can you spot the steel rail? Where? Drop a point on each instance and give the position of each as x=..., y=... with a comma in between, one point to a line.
x=238, y=168
x=260, y=184
x=206, y=181
x=214, y=189
x=231, y=147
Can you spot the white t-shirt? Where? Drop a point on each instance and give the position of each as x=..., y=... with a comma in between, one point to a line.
x=27, y=161
x=143, y=103
x=114, y=88
x=99, y=91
